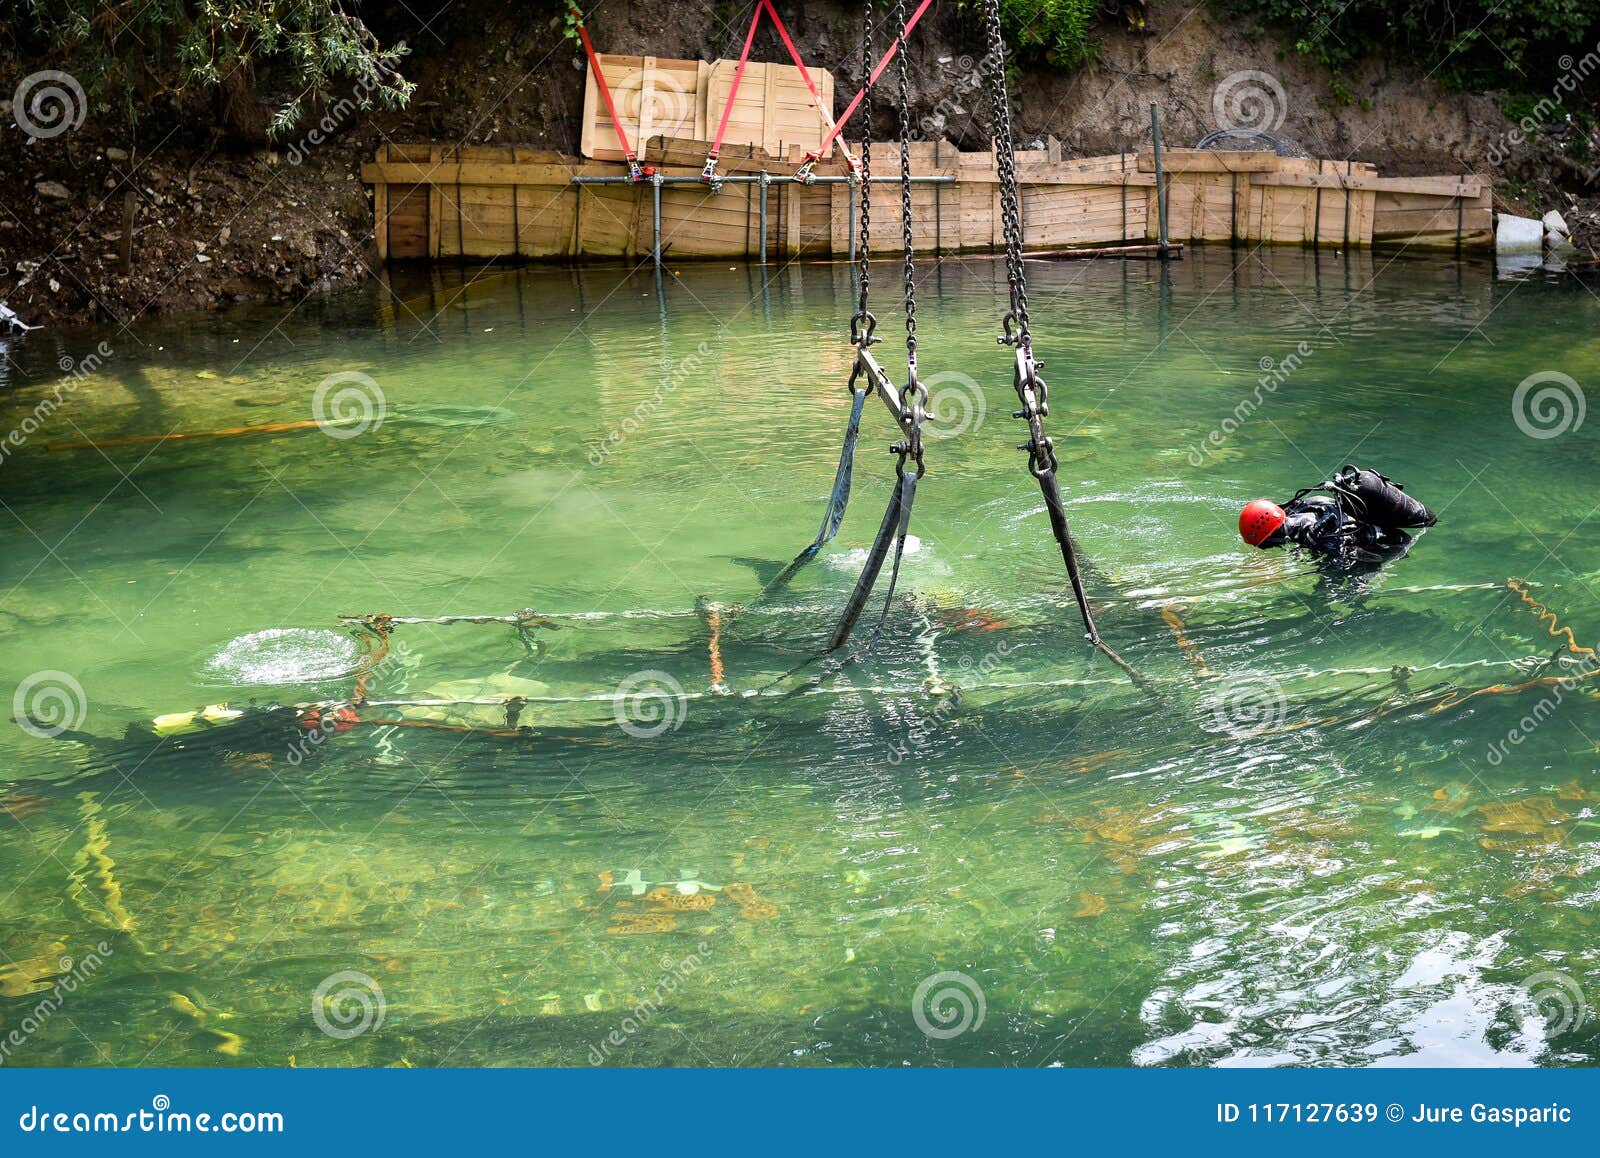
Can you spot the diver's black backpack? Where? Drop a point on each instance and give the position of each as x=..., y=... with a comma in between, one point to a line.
x=1377, y=499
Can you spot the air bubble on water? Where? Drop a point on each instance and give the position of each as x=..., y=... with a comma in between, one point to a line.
x=284, y=655
x=856, y=559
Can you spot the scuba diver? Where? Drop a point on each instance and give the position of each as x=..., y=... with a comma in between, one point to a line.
x=1358, y=517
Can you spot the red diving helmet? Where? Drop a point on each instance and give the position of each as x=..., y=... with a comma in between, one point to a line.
x=1259, y=520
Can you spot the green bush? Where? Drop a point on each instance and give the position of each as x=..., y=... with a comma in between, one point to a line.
x=135, y=52
x=1478, y=45
x=1053, y=32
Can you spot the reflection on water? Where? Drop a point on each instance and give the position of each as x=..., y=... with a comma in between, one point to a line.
x=1353, y=822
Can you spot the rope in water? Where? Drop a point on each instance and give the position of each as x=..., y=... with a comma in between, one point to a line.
x=1552, y=624
x=554, y=619
x=889, y=689
x=380, y=626
x=719, y=677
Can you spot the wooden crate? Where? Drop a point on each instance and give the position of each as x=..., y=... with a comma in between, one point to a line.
x=656, y=96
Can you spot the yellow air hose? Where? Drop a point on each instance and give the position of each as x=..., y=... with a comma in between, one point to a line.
x=1549, y=619
x=1553, y=624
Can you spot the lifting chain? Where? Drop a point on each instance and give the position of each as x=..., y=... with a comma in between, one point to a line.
x=913, y=395
x=1031, y=389
x=1006, y=165
x=863, y=323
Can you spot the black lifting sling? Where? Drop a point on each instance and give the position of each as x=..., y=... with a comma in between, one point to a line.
x=865, y=373
x=1031, y=390
x=913, y=398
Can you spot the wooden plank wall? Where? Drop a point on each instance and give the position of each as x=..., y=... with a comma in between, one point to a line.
x=505, y=201
x=1426, y=221
x=401, y=210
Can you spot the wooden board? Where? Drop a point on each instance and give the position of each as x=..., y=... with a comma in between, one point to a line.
x=1423, y=221
x=1213, y=161
x=1434, y=186
x=406, y=213
x=654, y=96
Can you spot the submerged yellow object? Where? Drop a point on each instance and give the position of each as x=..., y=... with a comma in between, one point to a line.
x=182, y=723
x=1171, y=616
x=1093, y=905
x=93, y=870
x=34, y=974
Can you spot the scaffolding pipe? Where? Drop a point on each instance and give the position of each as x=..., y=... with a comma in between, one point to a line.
x=655, y=198
x=1161, y=183
x=852, y=223
x=765, y=181
x=754, y=179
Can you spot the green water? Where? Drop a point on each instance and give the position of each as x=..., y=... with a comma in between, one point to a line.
x=1281, y=859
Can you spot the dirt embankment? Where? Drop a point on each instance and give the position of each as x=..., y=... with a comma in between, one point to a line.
x=213, y=222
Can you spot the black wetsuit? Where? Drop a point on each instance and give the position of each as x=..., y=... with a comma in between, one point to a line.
x=1356, y=517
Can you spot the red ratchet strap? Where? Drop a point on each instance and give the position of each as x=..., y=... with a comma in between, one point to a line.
x=628, y=154
x=709, y=173
x=803, y=174
x=816, y=97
